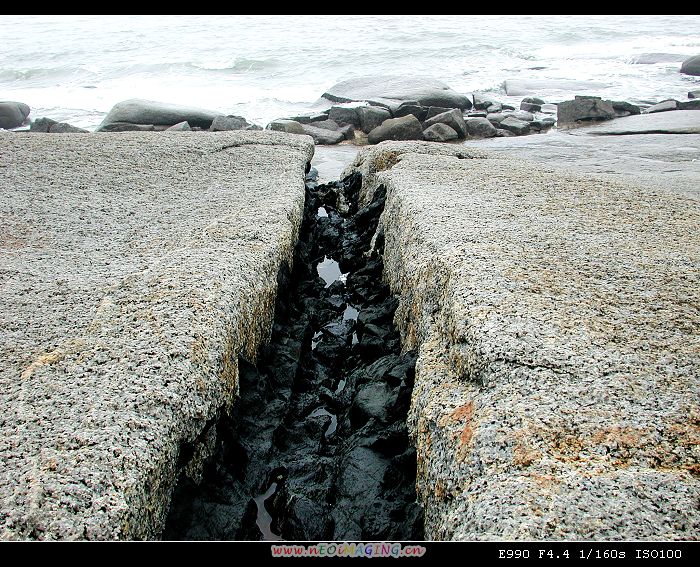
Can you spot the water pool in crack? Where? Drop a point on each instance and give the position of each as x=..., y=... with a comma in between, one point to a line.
x=316, y=447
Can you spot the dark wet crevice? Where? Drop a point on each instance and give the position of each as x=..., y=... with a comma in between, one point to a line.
x=317, y=447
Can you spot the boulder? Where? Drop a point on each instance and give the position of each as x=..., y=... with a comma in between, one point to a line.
x=584, y=108
x=411, y=108
x=323, y=136
x=289, y=126
x=42, y=125
x=689, y=105
x=140, y=111
x=344, y=115
x=539, y=125
x=404, y=128
x=65, y=128
x=694, y=94
x=523, y=115
x=54, y=127
x=478, y=114
x=498, y=117
x=13, y=114
x=183, y=126
x=390, y=91
x=480, y=128
x=495, y=107
x=504, y=134
x=435, y=110
x=348, y=131
x=125, y=127
x=531, y=104
x=662, y=106
x=483, y=100
x=515, y=125
x=452, y=118
x=223, y=123
x=326, y=125
x=372, y=116
x=621, y=107
x=310, y=118
x=440, y=133
x=549, y=108
x=691, y=66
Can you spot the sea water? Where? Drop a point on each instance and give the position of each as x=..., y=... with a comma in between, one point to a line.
x=75, y=68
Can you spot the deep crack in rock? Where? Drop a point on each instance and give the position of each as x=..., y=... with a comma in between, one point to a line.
x=317, y=447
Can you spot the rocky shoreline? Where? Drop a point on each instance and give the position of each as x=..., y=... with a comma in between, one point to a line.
x=369, y=110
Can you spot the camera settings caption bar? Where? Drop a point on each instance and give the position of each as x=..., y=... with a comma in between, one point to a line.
x=593, y=551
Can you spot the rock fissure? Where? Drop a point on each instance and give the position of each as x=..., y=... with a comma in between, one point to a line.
x=317, y=446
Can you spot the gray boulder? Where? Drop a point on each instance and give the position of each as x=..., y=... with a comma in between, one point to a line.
x=183, y=126
x=310, y=118
x=584, y=108
x=42, y=125
x=498, y=117
x=13, y=114
x=54, y=127
x=504, y=134
x=289, y=126
x=344, y=115
x=531, y=104
x=662, y=106
x=623, y=108
x=326, y=125
x=391, y=91
x=691, y=66
x=523, y=115
x=440, y=133
x=689, y=105
x=483, y=100
x=140, y=111
x=694, y=94
x=495, y=107
x=452, y=118
x=515, y=125
x=323, y=136
x=404, y=128
x=348, y=131
x=549, y=108
x=372, y=116
x=125, y=127
x=480, y=128
x=223, y=123
x=414, y=108
x=434, y=111
x=478, y=114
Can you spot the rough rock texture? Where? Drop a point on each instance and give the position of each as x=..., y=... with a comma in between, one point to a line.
x=677, y=122
x=557, y=391
x=230, y=122
x=372, y=116
x=140, y=111
x=134, y=269
x=652, y=159
x=289, y=126
x=13, y=114
x=404, y=128
x=440, y=133
x=390, y=91
x=480, y=128
x=452, y=118
x=663, y=106
x=183, y=126
x=323, y=135
x=691, y=66
x=515, y=125
x=55, y=127
x=584, y=108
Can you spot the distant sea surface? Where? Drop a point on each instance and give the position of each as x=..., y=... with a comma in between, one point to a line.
x=75, y=68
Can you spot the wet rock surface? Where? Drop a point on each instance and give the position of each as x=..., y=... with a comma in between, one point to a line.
x=317, y=446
